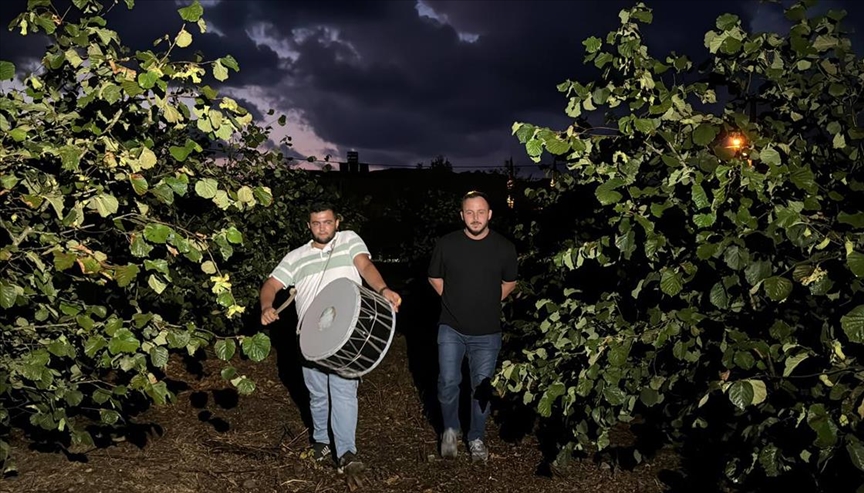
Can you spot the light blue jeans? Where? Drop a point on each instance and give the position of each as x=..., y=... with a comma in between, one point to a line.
x=335, y=398
x=482, y=352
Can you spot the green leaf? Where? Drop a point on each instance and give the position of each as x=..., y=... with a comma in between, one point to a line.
x=855, y=262
x=855, y=220
x=820, y=421
x=856, y=453
x=614, y=396
x=147, y=159
x=244, y=194
x=727, y=21
x=649, y=396
x=778, y=288
x=760, y=391
x=592, y=44
x=157, y=233
x=793, y=362
x=263, y=195
x=156, y=284
x=191, y=13
x=757, y=271
x=853, y=324
x=228, y=373
x=704, y=134
x=123, y=341
x=159, y=392
x=718, y=296
x=606, y=193
x=220, y=73
x=208, y=267
x=139, y=247
x=671, y=282
x=230, y=62
x=741, y=394
x=180, y=153
x=178, y=185
x=206, y=188
x=73, y=397
x=184, y=38
x=139, y=184
x=7, y=70
x=233, y=235
x=645, y=125
x=552, y=393
x=245, y=386
x=70, y=157
x=256, y=347
x=736, y=257
x=700, y=198
x=159, y=265
x=8, y=295
x=225, y=349
x=109, y=416
x=158, y=356
x=104, y=204
x=125, y=275
x=770, y=156
x=147, y=79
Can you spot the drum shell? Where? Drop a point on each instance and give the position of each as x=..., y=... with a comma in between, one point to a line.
x=347, y=329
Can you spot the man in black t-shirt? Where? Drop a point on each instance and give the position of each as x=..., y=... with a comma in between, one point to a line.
x=473, y=270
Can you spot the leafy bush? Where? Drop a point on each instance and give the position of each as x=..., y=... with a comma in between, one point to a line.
x=712, y=285
x=133, y=202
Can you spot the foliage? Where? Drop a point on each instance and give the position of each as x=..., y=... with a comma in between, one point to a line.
x=133, y=202
x=712, y=285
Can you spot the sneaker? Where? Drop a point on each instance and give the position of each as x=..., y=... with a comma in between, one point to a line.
x=478, y=450
x=349, y=463
x=448, y=444
x=320, y=452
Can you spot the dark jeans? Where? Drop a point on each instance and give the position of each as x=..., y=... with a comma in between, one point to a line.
x=482, y=352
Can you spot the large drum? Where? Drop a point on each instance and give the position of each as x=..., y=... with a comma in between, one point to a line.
x=347, y=328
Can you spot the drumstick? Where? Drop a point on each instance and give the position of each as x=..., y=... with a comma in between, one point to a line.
x=288, y=301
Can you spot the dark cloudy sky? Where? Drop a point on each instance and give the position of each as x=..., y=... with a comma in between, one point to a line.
x=403, y=81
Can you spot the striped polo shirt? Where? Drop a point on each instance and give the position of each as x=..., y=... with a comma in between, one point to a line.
x=304, y=267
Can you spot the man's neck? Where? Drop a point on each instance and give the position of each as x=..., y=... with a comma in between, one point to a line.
x=482, y=235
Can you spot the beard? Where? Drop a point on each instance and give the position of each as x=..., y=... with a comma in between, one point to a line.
x=323, y=240
x=477, y=232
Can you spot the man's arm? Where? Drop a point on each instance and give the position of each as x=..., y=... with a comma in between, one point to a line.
x=373, y=278
x=507, y=287
x=437, y=284
x=268, y=293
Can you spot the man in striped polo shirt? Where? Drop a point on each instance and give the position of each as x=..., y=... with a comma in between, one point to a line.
x=330, y=255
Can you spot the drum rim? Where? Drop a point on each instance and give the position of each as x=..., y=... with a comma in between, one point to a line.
x=358, y=374
x=330, y=352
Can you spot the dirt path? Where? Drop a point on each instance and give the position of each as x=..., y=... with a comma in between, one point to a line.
x=212, y=441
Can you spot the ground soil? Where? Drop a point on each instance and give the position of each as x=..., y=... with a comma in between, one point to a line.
x=212, y=440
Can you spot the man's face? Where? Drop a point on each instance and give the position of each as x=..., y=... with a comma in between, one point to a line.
x=323, y=226
x=476, y=214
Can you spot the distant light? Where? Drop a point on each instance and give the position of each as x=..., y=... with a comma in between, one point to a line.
x=736, y=141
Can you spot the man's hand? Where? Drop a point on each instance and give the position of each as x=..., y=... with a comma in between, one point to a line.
x=269, y=315
x=393, y=297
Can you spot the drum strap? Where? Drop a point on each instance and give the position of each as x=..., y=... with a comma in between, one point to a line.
x=321, y=276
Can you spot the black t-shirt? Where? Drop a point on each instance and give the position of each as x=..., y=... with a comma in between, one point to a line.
x=473, y=271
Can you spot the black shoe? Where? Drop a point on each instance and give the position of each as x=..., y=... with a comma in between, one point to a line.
x=320, y=452
x=350, y=464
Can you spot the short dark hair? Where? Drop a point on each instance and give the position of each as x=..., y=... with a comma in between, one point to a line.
x=322, y=206
x=473, y=194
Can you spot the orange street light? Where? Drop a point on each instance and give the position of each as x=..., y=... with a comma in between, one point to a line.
x=736, y=141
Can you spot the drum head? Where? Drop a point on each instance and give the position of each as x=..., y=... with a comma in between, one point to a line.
x=330, y=319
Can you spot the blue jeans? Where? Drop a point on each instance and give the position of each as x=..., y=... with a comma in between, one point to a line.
x=333, y=397
x=482, y=352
